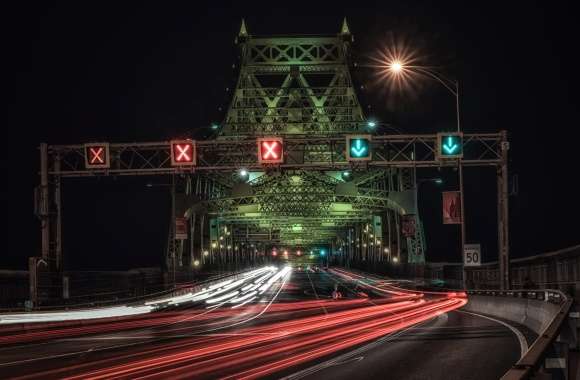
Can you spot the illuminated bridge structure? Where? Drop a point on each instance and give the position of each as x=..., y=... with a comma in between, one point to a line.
x=301, y=88
x=236, y=204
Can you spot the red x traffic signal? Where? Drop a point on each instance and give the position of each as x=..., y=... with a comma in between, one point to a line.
x=183, y=153
x=97, y=156
x=270, y=150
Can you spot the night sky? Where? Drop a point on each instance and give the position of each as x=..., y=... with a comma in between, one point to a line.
x=122, y=72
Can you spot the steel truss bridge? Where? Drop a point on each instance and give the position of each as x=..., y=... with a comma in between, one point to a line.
x=300, y=90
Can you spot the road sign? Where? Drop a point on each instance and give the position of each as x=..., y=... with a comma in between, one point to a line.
x=183, y=153
x=449, y=145
x=472, y=255
x=451, y=207
x=97, y=156
x=180, y=229
x=408, y=225
x=270, y=150
x=358, y=148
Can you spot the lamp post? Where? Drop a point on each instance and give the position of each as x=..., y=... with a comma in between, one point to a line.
x=437, y=181
x=397, y=67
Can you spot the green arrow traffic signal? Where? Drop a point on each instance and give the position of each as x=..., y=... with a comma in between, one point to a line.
x=359, y=148
x=450, y=145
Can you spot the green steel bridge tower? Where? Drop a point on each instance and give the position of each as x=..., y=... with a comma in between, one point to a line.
x=300, y=87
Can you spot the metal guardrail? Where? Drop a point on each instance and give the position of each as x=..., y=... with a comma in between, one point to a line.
x=548, y=295
x=533, y=359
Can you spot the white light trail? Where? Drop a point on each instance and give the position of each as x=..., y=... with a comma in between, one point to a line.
x=207, y=294
x=222, y=298
x=274, y=278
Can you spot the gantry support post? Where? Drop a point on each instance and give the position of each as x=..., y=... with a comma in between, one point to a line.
x=192, y=221
x=173, y=232
x=503, y=215
x=201, y=242
x=58, y=218
x=462, y=232
x=44, y=205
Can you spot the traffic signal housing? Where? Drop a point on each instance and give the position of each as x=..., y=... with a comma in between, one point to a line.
x=358, y=148
x=270, y=150
x=183, y=153
x=97, y=156
x=449, y=145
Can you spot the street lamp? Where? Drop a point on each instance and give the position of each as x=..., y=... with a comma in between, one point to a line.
x=397, y=68
x=437, y=180
x=243, y=174
x=373, y=125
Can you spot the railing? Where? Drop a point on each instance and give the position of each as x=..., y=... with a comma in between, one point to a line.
x=556, y=270
x=548, y=295
x=96, y=302
x=535, y=358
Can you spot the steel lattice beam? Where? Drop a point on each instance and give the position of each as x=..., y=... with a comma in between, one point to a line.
x=229, y=155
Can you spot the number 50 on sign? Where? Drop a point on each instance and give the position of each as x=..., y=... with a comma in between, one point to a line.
x=472, y=255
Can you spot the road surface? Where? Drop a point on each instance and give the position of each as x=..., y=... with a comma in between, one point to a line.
x=292, y=329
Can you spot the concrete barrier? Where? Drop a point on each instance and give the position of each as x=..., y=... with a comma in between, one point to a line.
x=546, y=312
x=533, y=313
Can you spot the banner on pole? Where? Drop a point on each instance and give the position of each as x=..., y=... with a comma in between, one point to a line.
x=180, y=228
x=451, y=207
x=408, y=225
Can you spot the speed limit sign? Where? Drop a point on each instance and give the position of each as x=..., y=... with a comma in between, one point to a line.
x=472, y=255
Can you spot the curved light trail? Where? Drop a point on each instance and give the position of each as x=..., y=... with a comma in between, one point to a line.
x=220, y=342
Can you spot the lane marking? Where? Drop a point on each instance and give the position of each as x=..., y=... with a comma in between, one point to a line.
x=518, y=333
x=316, y=294
x=350, y=360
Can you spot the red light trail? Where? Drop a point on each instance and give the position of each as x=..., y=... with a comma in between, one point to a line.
x=273, y=343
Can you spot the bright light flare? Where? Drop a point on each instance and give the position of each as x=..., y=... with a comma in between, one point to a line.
x=394, y=65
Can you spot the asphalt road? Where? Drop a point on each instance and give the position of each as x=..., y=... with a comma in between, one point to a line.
x=295, y=329
x=454, y=345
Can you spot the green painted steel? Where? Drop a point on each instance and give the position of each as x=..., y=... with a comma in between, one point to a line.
x=300, y=86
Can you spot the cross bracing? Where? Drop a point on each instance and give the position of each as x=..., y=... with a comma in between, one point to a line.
x=293, y=86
